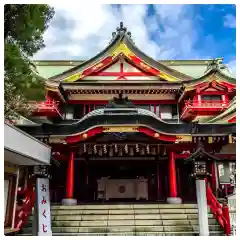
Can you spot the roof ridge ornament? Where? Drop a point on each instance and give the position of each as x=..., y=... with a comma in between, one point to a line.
x=214, y=65
x=120, y=102
x=121, y=28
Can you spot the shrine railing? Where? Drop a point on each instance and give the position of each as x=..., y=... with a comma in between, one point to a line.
x=24, y=211
x=46, y=106
x=215, y=104
x=221, y=212
x=206, y=103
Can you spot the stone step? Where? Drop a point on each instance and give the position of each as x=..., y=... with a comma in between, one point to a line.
x=174, y=222
x=123, y=211
x=127, y=220
x=212, y=233
x=123, y=206
x=136, y=216
x=130, y=229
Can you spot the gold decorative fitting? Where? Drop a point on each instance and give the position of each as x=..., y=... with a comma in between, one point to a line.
x=156, y=135
x=230, y=139
x=184, y=138
x=120, y=129
x=122, y=48
x=142, y=64
x=97, y=66
x=85, y=135
x=214, y=83
x=55, y=140
x=167, y=77
x=210, y=140
x=73, y=77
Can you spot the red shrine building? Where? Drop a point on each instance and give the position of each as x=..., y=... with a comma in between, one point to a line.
x=124, y=127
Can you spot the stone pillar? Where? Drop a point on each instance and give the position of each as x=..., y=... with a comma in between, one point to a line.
x=202, y=207
x=173, y=199
x=42, y=209
x=69, y=200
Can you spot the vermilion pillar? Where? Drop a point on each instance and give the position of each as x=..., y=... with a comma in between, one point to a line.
x=70, y=176
x=172, y=180
x=70, y=182
x=172, y=175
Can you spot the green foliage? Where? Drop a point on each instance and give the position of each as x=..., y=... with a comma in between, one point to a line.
x=24, y=25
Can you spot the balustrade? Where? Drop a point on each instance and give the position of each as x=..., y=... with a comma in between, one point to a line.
x=48, y=106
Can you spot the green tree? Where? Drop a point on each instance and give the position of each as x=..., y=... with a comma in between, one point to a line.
x=24, y=25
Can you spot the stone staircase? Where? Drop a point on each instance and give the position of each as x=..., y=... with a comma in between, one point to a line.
x=127, y=219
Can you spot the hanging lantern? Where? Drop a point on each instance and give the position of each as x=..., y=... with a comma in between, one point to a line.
x=89, y=151
x=126, y=149
x=105, y=149
x=142, y=151
x=147, y=149
x=131, y=152
x=164, y=151
x=84, y=148
x=95, y=149
x=111, y=152
x=100, y=151
x=153, y=151
x=120, y=151
x=137, y=148
x=115, y=148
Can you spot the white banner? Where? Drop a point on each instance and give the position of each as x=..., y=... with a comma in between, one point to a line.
x=44, y=210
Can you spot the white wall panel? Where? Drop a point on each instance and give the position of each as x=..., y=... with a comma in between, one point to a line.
x=21, y=143
x=114, y=68
x=129, y=68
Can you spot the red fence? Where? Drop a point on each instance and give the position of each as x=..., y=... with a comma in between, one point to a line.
x=220, y=212
x=24, y=211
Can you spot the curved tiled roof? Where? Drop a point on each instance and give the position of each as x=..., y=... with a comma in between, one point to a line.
x=187, y=71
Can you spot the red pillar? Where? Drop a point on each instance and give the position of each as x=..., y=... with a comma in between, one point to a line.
x=227, y=227
x=172, y=176
x=70, y=177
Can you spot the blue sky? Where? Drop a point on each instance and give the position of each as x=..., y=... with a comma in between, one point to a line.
x=162, y=31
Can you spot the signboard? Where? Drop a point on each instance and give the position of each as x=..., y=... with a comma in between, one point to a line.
x=225, y=172
x=44, y=210
x=120, y=129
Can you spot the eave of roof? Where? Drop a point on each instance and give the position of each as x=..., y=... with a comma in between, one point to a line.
x=231, y=110
x=123, y=37
x=209, y=74
x=170, y=62
x=198, y=154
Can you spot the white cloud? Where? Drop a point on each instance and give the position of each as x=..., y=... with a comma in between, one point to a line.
x=232, y=66
x=81, y=31
x=230, y=21
x=179, y=34
x=74, y=33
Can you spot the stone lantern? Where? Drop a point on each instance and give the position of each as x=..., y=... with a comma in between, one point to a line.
x=199, y=160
